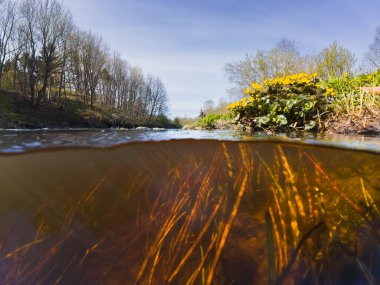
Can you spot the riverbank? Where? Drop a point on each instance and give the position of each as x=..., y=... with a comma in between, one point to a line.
x=16, y=112
x=355, y=126
x=305, y=102
x=367, y=124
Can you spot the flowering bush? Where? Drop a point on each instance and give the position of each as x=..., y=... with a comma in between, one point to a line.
x=295, y=101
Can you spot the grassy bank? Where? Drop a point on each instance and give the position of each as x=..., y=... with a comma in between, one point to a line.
x=304, y=102
x=17, y=112
x=220, y=121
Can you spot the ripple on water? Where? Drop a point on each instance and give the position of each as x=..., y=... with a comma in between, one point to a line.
x=10, y=140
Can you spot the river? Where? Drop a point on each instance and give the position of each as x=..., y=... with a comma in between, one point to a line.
x=188, y=207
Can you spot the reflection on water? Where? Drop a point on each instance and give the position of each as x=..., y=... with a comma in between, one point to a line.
x=190, y=212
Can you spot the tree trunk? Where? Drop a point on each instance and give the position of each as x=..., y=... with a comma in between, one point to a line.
x=15, y=71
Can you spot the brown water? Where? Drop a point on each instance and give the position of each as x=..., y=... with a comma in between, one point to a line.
x=190, y=212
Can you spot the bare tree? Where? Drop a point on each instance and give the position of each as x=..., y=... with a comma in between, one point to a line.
x=135, y=89
x=242, y=73
x=373, y=54
x=29, y=15
x=208, y=106
x=93, y=53
x=47, y=52
x=282, y=60
x=54, y=24
x=17, y=47
x=334, y=61
x=120, y=73
x=7, y=27
x=74, y=64
x=156, y=97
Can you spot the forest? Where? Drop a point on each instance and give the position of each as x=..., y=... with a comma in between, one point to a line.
x=46, y=60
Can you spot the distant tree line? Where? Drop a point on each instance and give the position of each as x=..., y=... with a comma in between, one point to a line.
x=285, y=59
x=43, y=54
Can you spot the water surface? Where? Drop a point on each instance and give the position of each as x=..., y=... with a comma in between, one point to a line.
x=23, y=140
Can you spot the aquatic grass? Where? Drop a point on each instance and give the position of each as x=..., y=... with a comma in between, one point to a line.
x=369, y=201
x=177, y=245
x=186, y=224
x=289, y=213
x=197, y=241
x=172, y=220
x=180, y=241
x=227, y=228
x=334, y=187
x=286, y=271
x=272, y=276
x=24, y=248
x=292, y=211
x=200, y=267
x=204, y=188
x=280, y=228
x=201, y=200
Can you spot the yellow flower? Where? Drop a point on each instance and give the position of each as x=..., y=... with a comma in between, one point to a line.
x=330, y=91
x=244, y=102
x=235, y=105
x=247, y=90
x=300, y=78
x=256, y=86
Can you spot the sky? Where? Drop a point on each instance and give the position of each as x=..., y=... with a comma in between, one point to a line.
x=187, y=42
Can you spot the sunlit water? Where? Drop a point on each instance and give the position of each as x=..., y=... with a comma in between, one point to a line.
x=226, y=208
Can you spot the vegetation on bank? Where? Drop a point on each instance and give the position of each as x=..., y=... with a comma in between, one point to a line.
x=295, y=101
x=70, y=76
x=17, y=112
x=212, y=116
x=215, y=121
x=305, y=102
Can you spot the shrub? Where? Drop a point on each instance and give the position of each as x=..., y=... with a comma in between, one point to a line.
x=294, y=101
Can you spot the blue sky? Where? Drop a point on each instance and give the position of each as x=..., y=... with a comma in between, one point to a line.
x=187, y=42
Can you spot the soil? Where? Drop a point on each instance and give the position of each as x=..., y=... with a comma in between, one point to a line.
x=366, y=125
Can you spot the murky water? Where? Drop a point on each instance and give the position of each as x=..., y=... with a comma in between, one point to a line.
x=188, y=211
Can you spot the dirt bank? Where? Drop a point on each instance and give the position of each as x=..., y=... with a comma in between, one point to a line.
x=368, y=124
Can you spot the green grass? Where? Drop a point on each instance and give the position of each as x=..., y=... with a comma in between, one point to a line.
x=213, y=121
